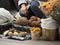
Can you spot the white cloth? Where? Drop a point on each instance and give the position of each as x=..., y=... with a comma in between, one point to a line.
x=21, y=1
x=17, y=15
x=48, y=23
x=5, y=16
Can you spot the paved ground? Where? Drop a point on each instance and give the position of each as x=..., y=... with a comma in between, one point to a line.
x=27, y=42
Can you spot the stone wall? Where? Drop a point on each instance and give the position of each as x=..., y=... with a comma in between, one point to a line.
x=9, y=4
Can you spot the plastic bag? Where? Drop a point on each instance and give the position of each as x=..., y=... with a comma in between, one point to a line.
x=5, y=16
x=48, y=23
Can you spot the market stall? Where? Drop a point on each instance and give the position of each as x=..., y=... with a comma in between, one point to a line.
x=35, y=28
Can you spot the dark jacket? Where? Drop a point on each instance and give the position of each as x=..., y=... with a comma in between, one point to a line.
x=34, y=10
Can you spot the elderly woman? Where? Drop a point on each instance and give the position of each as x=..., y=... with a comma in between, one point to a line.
x=30, y=8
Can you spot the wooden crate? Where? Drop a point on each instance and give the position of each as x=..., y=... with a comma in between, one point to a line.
x=49, y=34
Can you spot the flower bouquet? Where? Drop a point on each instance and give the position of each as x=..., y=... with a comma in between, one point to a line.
x=47, y=7
x=52, y=8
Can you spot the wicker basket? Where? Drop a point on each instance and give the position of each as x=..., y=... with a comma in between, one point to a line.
x=49, y=34
x=35, y=35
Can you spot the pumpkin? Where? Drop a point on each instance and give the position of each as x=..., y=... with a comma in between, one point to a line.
x=17, y=20
x=22, y=21
x=6, y=33
x=34, y=21
x=15, y=33
x=33, y=18
x=10, y=34
x=22, y=34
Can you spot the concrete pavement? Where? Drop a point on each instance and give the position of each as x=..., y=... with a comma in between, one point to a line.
x=27, y=42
